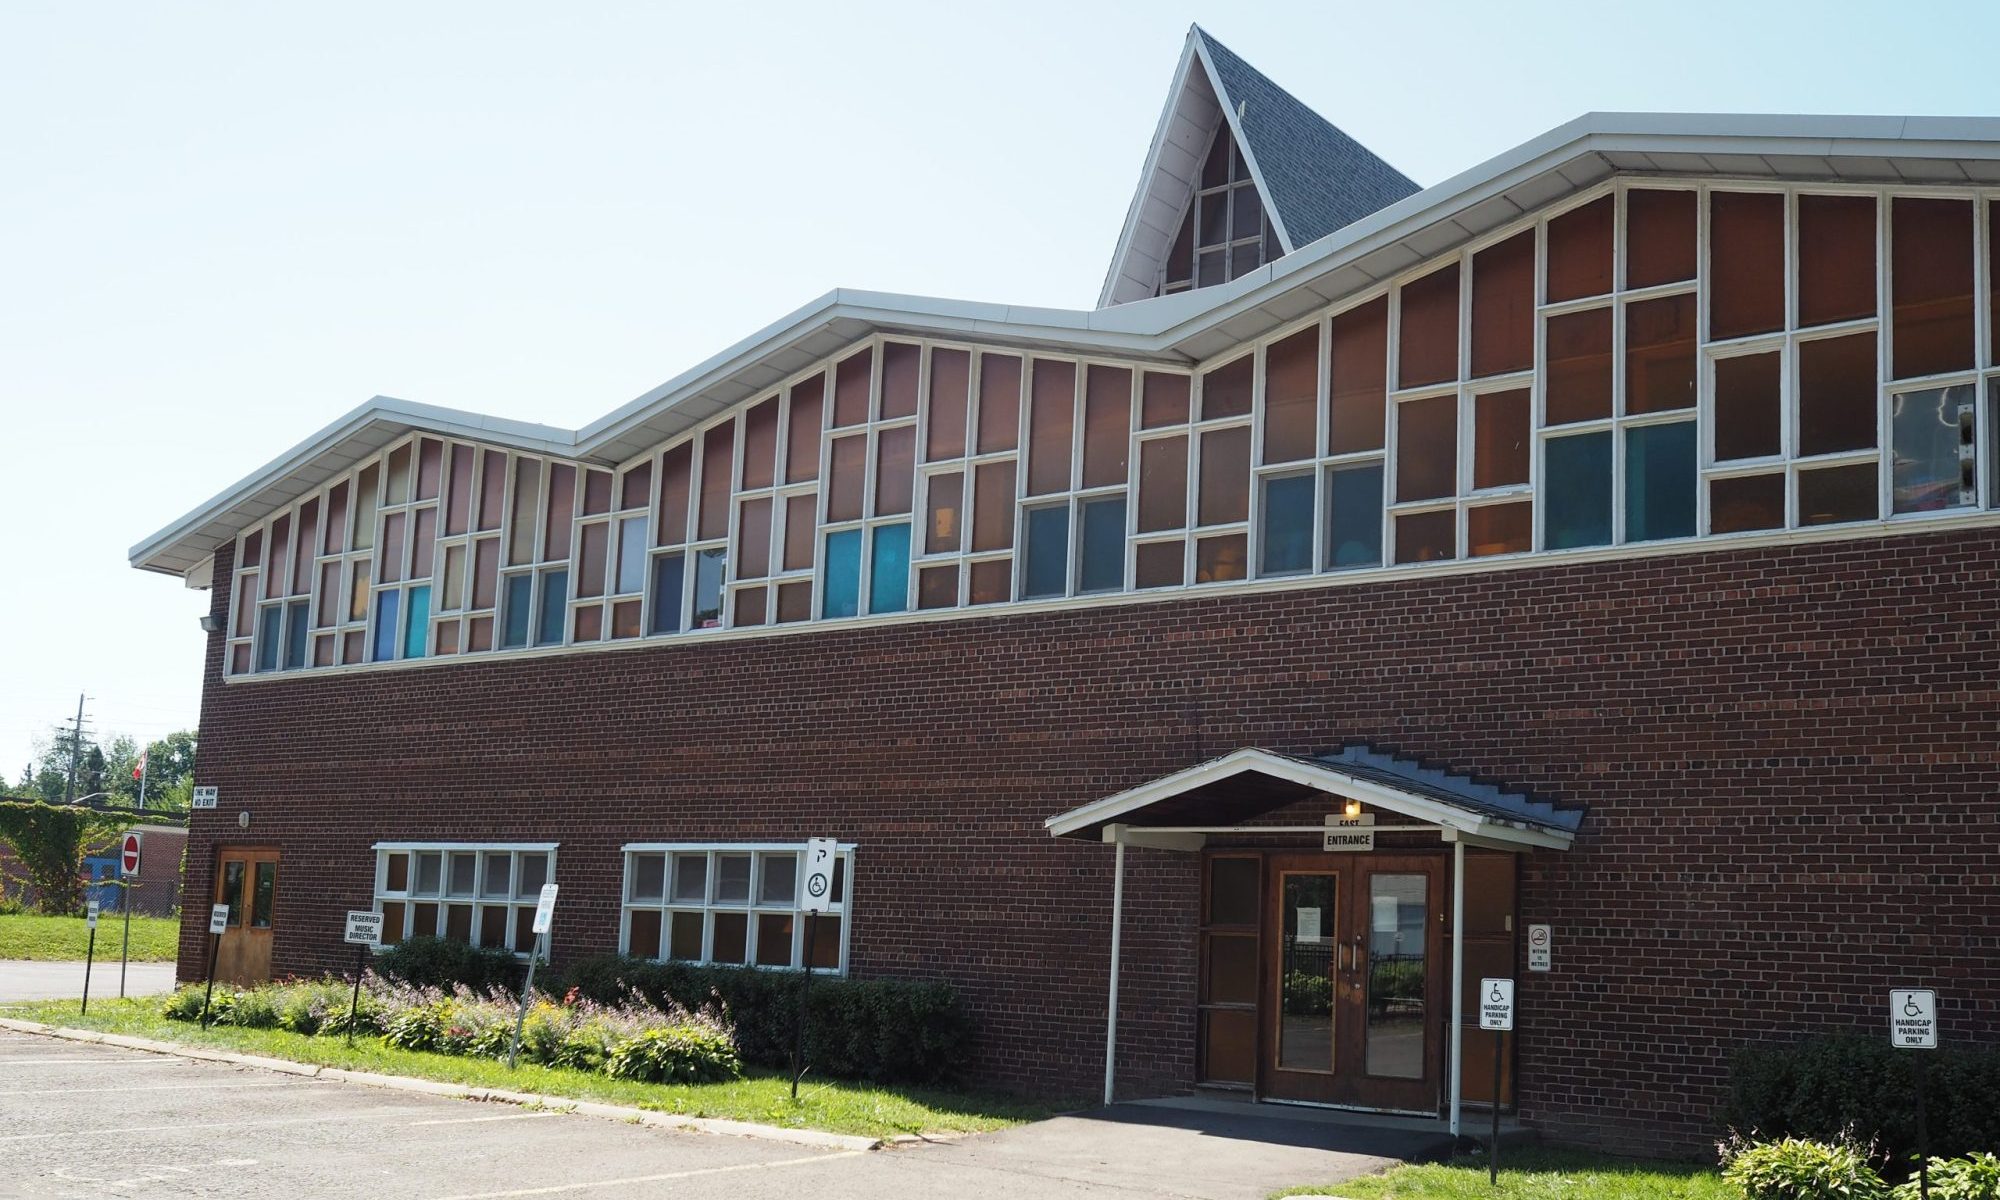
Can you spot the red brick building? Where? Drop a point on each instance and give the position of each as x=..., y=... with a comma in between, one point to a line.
x=1604, y=540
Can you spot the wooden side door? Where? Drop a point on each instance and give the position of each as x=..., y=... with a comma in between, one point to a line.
x=1393, y=976
x=246, y=879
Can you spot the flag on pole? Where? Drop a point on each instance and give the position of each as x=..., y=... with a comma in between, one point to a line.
x=139, y=770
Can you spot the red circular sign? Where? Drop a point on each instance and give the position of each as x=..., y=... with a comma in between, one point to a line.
x=130, y=859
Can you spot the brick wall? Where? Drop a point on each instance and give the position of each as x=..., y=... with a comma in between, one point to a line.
x=1790, y=755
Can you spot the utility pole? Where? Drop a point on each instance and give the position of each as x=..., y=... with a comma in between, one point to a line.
x=75, y=752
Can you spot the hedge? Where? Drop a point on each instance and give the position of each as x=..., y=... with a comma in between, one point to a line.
x=1861, y=1087
x=879, y=1030
x=444, y=963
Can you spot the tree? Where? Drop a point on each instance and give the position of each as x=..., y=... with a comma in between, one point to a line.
x=109, y=767
x=49, y=839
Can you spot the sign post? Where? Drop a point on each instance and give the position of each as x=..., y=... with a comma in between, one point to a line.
x=90, y=951
x=821, y=855
x=1913, y=1025
x=218, y=920
x=128, y=878
x=364, y=930
x=545, y=914
x=1496, y=1013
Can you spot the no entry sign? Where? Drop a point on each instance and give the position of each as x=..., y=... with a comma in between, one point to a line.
x=128, y=860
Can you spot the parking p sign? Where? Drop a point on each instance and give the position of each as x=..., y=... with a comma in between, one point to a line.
x=821, y=854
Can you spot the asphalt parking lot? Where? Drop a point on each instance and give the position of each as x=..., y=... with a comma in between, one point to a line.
x=80, y=1120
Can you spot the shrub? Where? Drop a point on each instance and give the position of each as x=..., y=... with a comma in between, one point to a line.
x=419, y=1026
x=1974, y=1177
x=442, y=963
x=884, y=1031
x=254, y=1009
x=1307, y=994
x=1797, y=1169
x=1828, y=1087
x=183, y=1004
x=691, y=1052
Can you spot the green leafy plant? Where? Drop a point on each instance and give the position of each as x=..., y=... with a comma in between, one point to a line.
x=183, y=1004
x=691, y=1052
x=1974, y=1177
x=421, y=1026
x=1833, y=1088
x=49, y=839
x=444, y=963
x=1798, y=1169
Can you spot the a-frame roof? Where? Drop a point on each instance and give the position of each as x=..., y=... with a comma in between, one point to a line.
x=1313, y=178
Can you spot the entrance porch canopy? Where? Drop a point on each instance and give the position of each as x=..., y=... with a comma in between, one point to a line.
x=1227, y=795
x=1179, y=811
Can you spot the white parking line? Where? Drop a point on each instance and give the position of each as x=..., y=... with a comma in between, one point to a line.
x=362, y=1114
x=521, y=1116
x=146, y=1087
x=99, y=1062
x=632, y=1179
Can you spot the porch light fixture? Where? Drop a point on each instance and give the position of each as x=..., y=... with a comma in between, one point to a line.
x=1353, y=809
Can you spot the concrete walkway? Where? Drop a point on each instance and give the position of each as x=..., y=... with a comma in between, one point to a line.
x=24, y=980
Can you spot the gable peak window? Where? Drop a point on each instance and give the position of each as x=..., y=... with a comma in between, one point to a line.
x=1225, y=232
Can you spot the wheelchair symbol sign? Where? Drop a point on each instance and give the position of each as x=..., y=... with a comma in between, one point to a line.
x=1496, y=1004
x=821, y=856
x=1913, y=1019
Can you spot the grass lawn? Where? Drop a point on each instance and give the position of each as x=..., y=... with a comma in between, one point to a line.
x=63, y=939
x=1536, y=1174
x=763, y=1097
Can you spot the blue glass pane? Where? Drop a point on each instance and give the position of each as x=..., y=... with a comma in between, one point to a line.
x=668, y=571
x=1659, y=482
x=555, y=606
x=387, y=605
x=1101, y=565
x=889, y=570
x=1576, y=479
x=1047, y=567
x=1288, y=525
x=268, y=640
x=295, y=635
x=840, y=591
x=514, y=611
x=708, y=566
x=1354, y=516
x=417, y=637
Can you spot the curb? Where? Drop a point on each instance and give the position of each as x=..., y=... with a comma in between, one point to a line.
x=815, y=1138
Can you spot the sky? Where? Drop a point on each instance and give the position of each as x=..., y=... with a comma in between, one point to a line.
x=224, y=225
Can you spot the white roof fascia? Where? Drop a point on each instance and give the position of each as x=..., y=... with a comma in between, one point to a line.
x=1130, y=230
x=1233, y=116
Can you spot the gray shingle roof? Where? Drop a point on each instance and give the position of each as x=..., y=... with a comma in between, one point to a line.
x=1366, y=762
x=1317, y=177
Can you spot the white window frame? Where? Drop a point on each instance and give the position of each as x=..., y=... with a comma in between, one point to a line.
x=479, y=901
x=710, y=905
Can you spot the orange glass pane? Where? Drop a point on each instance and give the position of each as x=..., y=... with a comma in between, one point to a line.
x=794, y=602
x=596, y=538
x=800, y=513
x=753, y=538
x=1164, y=400
x=992, y=581
x=589, y=623
x=239, y=659
x=1580, y=252
x=1358, y=393
x=899, y=379
x=596, y=493
x=1500, y=528
x=848, y=460
x=1163, y=464
x=302, y=551
x=1161, y=564
x=851, y=382
x=944, y=514
x=760, y=444
x=430, y=468
x=1107, y=424
x=937, y=587
x=562, y=511
x=1931, y=271
x=1225, y=391
x=1838, y=494
x=895, y=469
x=335, y=539
x=1503, y=306
x=1225, y=476
x=492, y=489
x=1746, y=262
x=625, y=619
x=1500, y=439
x=458, y=502
x=1426, y=537
x=479, y=633
x=1659, y=354
x=672, y=523
x=1051, y=422
x=1428, y=346
x=717, y=446
x=1748, y=406
x=1836, y=258
x=999, y=402
x=636, y=487
x=808, y=402
x=277, y=582
x=1837, y=394
x=1221, y=558
x=951, y=376
x=485, y=571
x=1291, y=397
x=993, y=506
x=749, y=607
x=1746, y=502
x=1659, y=236
x=392, y=554
x=1578, y=386
x=1427, y=448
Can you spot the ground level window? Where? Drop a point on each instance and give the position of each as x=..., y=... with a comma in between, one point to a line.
x=479, y=893
x=735, y=903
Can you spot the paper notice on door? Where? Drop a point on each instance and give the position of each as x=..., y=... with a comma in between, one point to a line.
x=1308, y=925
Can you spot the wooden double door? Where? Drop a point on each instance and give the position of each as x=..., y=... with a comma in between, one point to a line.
x=1322, y=979
x=246, y=879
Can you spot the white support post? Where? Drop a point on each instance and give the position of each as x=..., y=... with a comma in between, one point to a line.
x=1457, y=980
x=1117, y=921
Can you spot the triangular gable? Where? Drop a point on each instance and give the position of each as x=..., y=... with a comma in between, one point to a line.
x=1310, y=177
